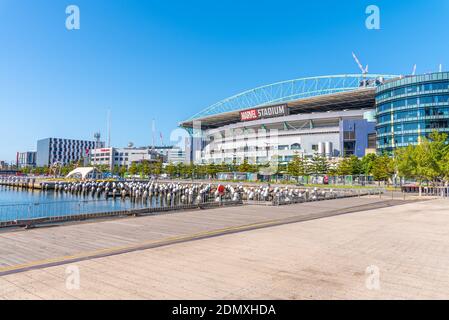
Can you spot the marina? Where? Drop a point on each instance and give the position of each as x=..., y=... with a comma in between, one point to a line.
x=21, y=205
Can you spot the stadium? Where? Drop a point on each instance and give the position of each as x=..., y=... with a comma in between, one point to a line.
x=332, y=116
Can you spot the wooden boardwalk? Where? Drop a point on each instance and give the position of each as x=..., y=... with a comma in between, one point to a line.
x=21, y=250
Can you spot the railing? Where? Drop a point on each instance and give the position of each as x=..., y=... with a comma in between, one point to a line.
x=427, y=191
x=310, y=195
x=38, y=213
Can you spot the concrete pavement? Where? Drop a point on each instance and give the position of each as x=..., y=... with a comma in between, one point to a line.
x=397, y=252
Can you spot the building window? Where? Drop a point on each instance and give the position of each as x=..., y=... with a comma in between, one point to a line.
x=372, y=141
x=349, y=135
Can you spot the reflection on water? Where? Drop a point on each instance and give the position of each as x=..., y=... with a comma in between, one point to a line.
x=22, y=204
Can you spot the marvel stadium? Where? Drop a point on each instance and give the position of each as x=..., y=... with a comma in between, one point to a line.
x=332, y=116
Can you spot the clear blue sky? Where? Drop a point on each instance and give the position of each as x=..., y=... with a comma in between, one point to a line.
x=170, y=59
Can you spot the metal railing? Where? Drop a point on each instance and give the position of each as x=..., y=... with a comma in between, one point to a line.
x=310, y=195
x=47, y=212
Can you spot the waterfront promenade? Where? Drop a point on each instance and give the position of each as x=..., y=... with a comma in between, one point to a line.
x=304, y=251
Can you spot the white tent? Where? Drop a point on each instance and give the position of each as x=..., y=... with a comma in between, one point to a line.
x=84, y=173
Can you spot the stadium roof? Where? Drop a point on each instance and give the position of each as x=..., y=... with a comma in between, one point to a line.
x=302, y=95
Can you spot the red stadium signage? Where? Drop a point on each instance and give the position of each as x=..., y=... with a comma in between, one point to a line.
x=263, y=113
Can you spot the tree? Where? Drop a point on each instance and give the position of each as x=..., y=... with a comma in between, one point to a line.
x=319, y=165
x=116, y=170
x=122, y=171
x=211, y=170
x=181, y=170
x=133, y=169
x=383, y=168
x=65, y=170
x=145, y=168
x=427, y=161
x=432, y=153
x=349, y=166
x=170, y=169
x=157, y=167
x=244, y=166
x=297, y=167
x=445, y=166
x=102, y=168
x=367, y=163
x=406, y=162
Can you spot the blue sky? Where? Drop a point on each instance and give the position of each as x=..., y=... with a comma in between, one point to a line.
x=168, y=60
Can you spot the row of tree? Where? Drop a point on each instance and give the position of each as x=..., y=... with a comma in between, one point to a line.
x=380, y=167
x=427, y=161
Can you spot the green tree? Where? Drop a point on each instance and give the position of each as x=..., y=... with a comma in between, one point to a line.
x=244, y=166
x=427, y=161
x=181, y=170
x=133, y=169
x=297, y=166
x=383, y=168
x=170, y=169
x=122, y=171
x=433, y=151
x=406, y=162
x=318, y=165
x=211, y=170
x=157, y=167
x=367, y=163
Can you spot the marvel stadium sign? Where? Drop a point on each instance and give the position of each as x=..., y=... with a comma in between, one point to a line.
x=263, y=113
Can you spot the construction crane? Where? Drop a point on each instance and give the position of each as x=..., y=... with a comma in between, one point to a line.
x=364, y=70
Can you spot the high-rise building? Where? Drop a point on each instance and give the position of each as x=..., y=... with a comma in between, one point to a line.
x=64, y=151
x=26, y=159
x=122, y=157
x=411, y=108
x=176, y=155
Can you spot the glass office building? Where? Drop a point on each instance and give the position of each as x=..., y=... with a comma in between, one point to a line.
x=410, y=108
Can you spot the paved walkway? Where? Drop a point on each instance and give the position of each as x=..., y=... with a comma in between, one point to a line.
x=28, y=248
x=326, y=258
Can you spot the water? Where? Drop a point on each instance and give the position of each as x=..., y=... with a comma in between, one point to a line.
x=25, y=204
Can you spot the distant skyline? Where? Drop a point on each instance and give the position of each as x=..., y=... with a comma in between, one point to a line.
x=168, y=60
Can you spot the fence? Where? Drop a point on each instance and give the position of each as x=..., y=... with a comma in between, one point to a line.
x=309, y=195
x=38, y=213
x=427, y=191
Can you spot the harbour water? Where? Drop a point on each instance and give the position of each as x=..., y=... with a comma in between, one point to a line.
x=16, y=204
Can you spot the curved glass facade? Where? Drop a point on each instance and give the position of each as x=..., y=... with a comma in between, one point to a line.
x=410, y=108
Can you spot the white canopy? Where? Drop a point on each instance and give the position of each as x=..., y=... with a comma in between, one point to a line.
x=84, y=173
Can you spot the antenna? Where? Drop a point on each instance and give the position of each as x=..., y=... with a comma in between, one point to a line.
x=441, y=68
x=153, y=128
x=97, y=137
x=414, y=70
x=109, y=128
